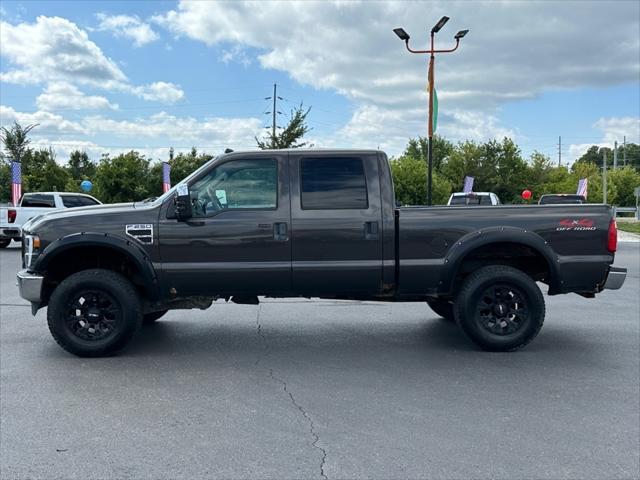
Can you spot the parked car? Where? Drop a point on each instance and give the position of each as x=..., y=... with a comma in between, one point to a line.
x=37, y=203
x=473, y=199
x=561, y=198
x=306, y=223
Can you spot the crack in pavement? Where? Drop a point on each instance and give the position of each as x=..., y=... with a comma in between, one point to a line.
x=285, y=387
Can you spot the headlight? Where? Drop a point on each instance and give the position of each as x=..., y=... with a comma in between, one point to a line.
x=31, y=244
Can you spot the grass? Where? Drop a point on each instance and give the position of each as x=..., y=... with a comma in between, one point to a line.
x=633, y=227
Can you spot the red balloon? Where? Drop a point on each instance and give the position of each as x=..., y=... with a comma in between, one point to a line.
x=526, y=194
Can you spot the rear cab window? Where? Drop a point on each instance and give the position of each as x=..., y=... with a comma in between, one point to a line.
x=38, y=200
x=71, y=201
x=333, y=183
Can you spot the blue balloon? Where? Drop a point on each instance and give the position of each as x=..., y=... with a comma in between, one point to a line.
x=86, y=186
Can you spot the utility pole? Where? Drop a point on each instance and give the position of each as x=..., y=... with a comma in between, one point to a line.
x=624, y=150
x=615, y=154
x=604, y=176
x=274, y=110
x=559, y=151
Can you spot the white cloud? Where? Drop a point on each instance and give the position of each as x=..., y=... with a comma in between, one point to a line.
x=614, y=129
x=514, y=51
x=62, y=95
x=164, y=92
x=53, y=49
x=128, y=26
x=46, y=121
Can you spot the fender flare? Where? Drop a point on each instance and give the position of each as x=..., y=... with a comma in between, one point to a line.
x=129, y=248
x=480, y=238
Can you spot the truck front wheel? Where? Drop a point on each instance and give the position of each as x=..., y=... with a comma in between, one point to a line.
x=94, y=313
x=500, y=308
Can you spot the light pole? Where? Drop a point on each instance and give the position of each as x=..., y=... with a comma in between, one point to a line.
x=431, y=76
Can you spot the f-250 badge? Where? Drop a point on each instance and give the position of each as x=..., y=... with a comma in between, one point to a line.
x=582, y=224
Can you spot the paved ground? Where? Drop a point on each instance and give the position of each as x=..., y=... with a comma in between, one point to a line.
x=309, y=389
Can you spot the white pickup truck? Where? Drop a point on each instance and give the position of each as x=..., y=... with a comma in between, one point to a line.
x=37, y=203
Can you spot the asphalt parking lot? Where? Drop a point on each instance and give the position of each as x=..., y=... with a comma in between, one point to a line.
x=312, y=389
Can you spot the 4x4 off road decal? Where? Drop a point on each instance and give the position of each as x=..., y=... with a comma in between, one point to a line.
x=570, y=224
x=143, y=232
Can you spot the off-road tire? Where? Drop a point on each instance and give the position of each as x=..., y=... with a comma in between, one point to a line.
x=113, y=284
x=469, y=304
x=443, y=308
x=5, y=242
x=150, y=318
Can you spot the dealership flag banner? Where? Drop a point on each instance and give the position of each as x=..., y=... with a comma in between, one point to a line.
x=468, y=185
x=582, y=187
x=16, y=182
x=166, y=177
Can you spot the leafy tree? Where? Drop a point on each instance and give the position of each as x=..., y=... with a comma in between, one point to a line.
x=41, y=172
x=5, y=182
x=410, y=182
x=182, y=165
x=15, y=140
x=118, y=179
x=624, y=180
x=80, y=167
x=292, y=133
x=418, y=148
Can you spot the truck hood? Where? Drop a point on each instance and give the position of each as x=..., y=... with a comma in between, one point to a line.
x=85, y=217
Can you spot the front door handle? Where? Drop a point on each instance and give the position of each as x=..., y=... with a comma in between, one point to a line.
x=371, y=231
x=280, y=231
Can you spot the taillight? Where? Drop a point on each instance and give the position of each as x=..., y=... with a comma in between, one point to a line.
x=612, y=240
x=12, y=215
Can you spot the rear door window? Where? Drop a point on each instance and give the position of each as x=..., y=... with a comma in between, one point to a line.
x=38, y=200
x=70, y=201
x=333, y=183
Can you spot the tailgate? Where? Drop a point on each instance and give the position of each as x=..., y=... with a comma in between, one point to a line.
x=4, y=215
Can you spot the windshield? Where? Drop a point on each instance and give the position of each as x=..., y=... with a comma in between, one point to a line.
x=172, y=190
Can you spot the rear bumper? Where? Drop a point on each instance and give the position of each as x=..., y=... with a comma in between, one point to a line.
x=30, y=286
x=615, y=278
x=10, y=232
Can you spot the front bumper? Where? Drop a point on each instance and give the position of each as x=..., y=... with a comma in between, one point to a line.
x=30, y=286
x=615, y=278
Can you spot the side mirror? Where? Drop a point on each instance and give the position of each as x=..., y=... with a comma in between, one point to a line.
x=182, y=202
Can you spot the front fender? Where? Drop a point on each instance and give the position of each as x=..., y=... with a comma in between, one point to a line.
x=129, y=248
x=470, y=242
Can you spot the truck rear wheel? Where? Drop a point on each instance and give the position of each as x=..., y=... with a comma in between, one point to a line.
x=443, y=308
x=94, y=313
x=500, y=308
x=4, y=242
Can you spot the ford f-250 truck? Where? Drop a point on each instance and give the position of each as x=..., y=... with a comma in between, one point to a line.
x=312, y=224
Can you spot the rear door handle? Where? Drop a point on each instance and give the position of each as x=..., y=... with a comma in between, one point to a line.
x=280, y=231
x=371, y=231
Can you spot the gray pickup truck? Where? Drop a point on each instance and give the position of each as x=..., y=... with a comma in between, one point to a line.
x=308, y=223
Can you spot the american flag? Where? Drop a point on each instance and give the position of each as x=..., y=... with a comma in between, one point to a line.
x=468, y=185
x=16, y=182
x=166, y=177
x=582, y=187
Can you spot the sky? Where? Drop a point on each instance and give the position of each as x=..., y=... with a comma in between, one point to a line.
x=108, y=77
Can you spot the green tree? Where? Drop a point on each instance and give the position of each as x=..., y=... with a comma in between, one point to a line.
x=121, y=178
x=182, y=165
x=291, y=134
x=409, y=180
x=418, y=148
x=41, y=172
x=15, y=140
x=5, y=182
x=624, y=181
x=80, y=166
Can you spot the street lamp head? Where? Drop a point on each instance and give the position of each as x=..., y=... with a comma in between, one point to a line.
x=461, y=34
x=440, y=24
x=402, y=35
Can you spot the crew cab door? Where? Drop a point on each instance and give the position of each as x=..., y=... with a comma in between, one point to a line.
x=238, y=240
x=336, y=220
